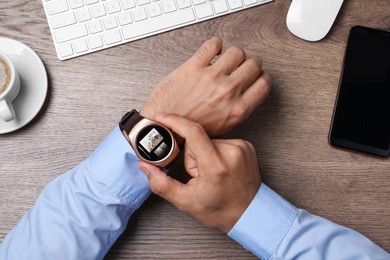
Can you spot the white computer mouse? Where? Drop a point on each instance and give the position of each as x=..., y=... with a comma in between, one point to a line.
x=311, y=20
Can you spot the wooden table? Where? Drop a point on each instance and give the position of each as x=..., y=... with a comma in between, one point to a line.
x=87, y=95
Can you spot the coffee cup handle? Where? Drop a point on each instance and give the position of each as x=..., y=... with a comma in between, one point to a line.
x=6, y=111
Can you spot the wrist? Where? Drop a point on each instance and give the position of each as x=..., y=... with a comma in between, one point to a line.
x=150, y=114
x=147, y=113
x=152, y=141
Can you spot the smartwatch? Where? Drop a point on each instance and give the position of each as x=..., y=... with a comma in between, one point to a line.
x=151, y=141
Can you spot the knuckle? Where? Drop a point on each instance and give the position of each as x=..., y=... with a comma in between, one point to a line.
x=237, y=51
x=196, y=130
x=236, y=154
x=239, y=81
x=247, y=146
x=240, y=143
x=267, y=80
x=256, y=63
x=240, y=112
x=221, y=169
x=207, y=47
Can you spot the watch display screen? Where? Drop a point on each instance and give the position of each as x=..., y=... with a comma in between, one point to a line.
x=154, y=143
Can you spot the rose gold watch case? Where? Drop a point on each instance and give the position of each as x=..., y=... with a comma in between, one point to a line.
x=133, y=135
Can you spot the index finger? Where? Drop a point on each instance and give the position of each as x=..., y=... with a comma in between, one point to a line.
x=194, y=134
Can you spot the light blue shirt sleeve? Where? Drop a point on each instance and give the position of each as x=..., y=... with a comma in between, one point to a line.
x=81, y=213
x=272, y=228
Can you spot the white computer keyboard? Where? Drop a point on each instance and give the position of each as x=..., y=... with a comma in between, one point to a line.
x=79, y=27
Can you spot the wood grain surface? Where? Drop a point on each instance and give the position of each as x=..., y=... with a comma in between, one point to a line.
x=87, y=96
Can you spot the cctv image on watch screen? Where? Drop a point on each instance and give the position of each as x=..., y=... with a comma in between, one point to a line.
x=154, y=143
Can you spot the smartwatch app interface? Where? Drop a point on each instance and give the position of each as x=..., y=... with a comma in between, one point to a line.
x=154, y=143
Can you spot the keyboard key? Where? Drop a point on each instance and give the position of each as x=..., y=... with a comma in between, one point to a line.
x=89, y=2
x=83, y=26
x=76, y=3
x=83, y=14
x=98, y=10
x=168, y=6
x=204, y=11
x=234, y=4
x=154, y=10
x=127, y=4
x=183, y=4
x=70, y=33
x=143, y=2
x=65, y=50
x=80, y=46
x=57, y=6
x=124, y=18
x=112, y=36
x=62, y=20
x=139, y=14
x=95, y=41
x=159, y=23
x=110, y=22
x=113, y=6
x=220, y=6
x=250, y=2
x=95, y=26
x=197, y=2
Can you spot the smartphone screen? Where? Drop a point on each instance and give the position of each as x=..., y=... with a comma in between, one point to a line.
x=361, y=117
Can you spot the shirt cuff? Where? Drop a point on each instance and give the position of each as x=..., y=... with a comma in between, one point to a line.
x=115, y=165
x=264, y=223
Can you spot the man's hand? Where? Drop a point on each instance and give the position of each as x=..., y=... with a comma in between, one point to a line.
x=218, y=95
x=225, y=176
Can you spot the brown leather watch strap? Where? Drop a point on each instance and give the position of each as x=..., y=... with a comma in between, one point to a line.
x=129, y=120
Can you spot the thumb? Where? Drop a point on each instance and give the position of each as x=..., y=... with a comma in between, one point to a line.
x=163, y=185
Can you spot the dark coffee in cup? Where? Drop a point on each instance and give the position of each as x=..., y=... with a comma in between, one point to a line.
x=9, y=87
x=5, y=76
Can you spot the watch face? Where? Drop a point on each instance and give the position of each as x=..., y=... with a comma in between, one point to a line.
x=154, y=143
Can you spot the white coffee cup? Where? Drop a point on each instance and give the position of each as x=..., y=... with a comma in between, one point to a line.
x=11, y=88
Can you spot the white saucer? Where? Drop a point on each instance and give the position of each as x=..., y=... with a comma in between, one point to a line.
x=33, y=79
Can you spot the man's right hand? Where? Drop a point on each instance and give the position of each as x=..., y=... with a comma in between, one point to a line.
x=225, y=176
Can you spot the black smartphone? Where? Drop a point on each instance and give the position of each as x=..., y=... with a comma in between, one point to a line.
x=361, y=116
